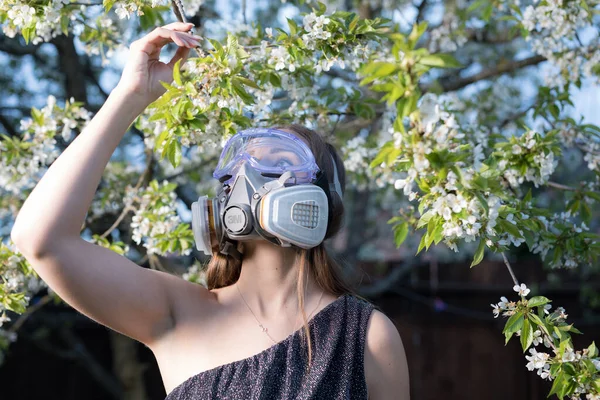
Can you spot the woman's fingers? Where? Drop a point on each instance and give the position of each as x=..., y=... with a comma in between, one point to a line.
x=181, y=53
x=179, y=26
x=155, y=40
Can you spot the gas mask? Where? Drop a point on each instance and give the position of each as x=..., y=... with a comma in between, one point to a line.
x=272, y=190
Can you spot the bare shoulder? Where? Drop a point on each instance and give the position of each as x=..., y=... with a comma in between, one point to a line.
x=386, y=368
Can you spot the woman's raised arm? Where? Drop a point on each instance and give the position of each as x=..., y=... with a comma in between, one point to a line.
x=99, y=283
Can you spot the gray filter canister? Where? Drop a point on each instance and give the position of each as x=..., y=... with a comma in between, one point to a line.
x=201, y=225
x=306, y=214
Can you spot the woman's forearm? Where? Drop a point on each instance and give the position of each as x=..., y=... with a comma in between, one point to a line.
x=58, y=204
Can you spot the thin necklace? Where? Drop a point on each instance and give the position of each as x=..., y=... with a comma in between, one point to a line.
x=264, y=329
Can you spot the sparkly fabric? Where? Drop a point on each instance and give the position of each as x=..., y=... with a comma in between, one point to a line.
x=338, y=334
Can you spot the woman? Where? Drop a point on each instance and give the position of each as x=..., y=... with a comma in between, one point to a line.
x=244, y=336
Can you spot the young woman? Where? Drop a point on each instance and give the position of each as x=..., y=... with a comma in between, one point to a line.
x=245, y=336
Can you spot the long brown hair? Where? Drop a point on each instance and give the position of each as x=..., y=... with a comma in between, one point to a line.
x=224, y=271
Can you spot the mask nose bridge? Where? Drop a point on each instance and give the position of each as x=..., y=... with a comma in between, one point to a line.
x=246, y=182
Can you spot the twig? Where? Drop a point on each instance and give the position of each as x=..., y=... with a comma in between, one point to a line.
x=127, y=209
x=561, y=186
x=155, y=263
x=94, y=368
x=117, y=222
x=143, y=259
x=512, y=274
x=179, y=11
x=244, y=11
x=30, y=310
x=421, y=11
x=516, y=116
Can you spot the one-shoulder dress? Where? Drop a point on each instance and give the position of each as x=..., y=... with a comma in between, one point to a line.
x=338, y=333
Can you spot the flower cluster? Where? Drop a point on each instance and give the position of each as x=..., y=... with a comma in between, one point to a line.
x=23, y=160
x=18, y=283
x=38, y=22
x=553, y=28
x=527, y=158
x=125, y=9
x=314, y=26
x=156, y=222
x=449, y=36
x=196, y=273
x=356, y=156
x=533, y=321
x=101, y=39
x=116, y=177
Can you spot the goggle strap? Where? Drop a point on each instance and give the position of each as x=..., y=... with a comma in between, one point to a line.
x=336, y=186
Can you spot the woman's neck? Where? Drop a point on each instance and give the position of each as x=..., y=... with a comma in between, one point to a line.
x=268, y=278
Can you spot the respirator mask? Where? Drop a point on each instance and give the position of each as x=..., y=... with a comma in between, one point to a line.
x=272, y=189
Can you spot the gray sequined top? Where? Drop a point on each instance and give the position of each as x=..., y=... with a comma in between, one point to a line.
x=338, y=334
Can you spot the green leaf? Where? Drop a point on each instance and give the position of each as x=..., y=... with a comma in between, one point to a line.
x=440, y=60
x=353, y=23
x=538, y=321
x=416, y=33
x=378, y=69
x=400, y=233
x=156, y=117
x=64, y=24
x=382, y=155
x=241, y=92
x=483, y=202
x=487, y=12
x=422, y=243
x=475, y=5
x=514, y=323
x=538, y=301
x=478, y=253
x=108, y=4
x=246, y=82
x=161, y=138
x=424, y=220
x=177, y=73
x=174, y=152
x=593, y=195
x=437, y=233
x=592, y=350
x=526, y=335
x=510, y=228
x=558, y=385
x=527, y=198
x=27, y=32
x=293, y=27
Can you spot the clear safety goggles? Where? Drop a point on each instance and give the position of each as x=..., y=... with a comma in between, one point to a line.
x=269, y=151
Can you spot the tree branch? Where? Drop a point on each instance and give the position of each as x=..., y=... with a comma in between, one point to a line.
x=421, y=11
x=449, y=85
x=13, y=47
x=70, y=65
x=512, y=274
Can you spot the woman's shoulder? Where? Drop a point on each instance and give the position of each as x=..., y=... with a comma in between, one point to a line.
x=359, y=301
x=386, y=368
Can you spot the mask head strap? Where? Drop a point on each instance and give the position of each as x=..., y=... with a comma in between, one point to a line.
x=335, y=186
x=329, y=187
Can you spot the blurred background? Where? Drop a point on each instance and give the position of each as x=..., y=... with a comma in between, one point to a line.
x=440, y=306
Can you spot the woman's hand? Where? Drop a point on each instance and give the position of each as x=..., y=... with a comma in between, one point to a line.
x=143, y=72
